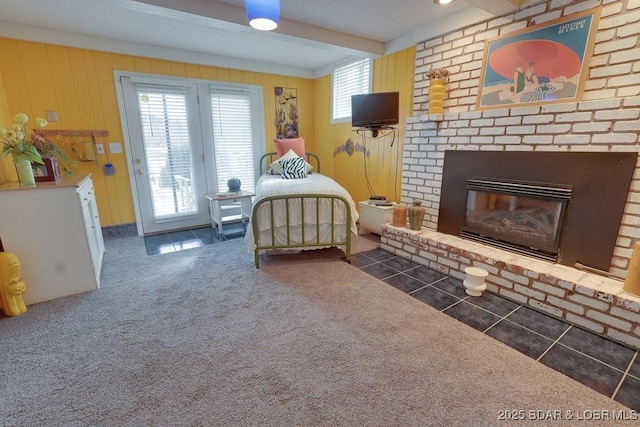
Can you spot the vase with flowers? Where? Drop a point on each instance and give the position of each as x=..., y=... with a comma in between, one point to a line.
x=26, y=150
x=21, y=147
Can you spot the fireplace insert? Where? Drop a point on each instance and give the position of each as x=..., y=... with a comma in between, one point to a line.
x=581, y=227
x=525, y=217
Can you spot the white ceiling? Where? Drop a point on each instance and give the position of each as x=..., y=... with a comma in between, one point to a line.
x=311, y=37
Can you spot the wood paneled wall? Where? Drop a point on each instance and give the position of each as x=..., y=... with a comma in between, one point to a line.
x=384, y=165
x=7, y=171
x=79, y=85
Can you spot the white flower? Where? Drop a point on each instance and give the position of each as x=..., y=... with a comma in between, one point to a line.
x=13, y=141
x=20, y=119
x=41, y=123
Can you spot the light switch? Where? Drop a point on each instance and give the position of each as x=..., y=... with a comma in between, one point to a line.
x=115, y=148
x=100, y=148
x=52, y=116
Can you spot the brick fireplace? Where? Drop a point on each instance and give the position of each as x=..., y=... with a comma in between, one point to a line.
x=606, y=120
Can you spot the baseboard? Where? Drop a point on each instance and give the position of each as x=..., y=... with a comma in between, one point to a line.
x=119, y=231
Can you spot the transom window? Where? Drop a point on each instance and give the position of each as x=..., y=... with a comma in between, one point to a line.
x=351, y=78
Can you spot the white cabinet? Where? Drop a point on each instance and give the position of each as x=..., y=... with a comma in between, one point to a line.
x=54, y=230
x=92, y=227
x=372, y=217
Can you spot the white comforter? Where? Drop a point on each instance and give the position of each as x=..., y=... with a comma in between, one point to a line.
x=274, y=185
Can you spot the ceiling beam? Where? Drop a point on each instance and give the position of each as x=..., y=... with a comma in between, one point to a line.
x=497, y=7
x=230, y=17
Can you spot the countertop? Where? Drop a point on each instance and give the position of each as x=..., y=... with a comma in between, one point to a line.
x=74, y=180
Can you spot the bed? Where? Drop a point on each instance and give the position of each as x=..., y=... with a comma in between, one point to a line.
x=275, y=223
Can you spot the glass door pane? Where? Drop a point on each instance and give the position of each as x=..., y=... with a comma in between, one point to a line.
x=233, y=138
x=166, y=139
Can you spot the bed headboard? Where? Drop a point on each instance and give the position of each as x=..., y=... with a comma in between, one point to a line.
x=270, y=157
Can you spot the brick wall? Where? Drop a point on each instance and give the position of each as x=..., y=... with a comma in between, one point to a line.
x=607, y=119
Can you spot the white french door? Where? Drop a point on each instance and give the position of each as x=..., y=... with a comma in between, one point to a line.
x=181, y=148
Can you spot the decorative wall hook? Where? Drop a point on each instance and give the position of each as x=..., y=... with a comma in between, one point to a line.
x=349, y=147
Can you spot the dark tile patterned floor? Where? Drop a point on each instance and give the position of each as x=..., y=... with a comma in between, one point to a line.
x=193, y=238
x=603, y=365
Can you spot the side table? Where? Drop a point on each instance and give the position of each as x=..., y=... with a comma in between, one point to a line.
x=372, y=217
x=219, y=202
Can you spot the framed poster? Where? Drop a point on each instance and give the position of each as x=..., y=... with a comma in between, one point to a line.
x=540, y=64
x=286, y=112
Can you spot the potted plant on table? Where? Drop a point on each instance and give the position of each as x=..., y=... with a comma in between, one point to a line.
x=34, y=149
x=21, y=148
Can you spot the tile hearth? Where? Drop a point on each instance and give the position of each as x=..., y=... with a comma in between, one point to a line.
x=601, y=364
x=590, y=301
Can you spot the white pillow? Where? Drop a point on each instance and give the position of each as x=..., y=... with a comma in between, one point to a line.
x=277, y=168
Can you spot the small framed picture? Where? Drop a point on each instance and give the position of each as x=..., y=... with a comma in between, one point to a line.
x=50, y=171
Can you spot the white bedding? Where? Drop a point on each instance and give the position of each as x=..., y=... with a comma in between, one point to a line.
x=274, y=185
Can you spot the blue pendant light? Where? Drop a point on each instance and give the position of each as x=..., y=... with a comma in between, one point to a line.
x=263, y=14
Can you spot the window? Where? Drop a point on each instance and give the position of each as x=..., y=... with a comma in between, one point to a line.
x=233, y=138
x=352, y=78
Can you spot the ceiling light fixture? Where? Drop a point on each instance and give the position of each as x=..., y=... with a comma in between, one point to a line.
x=263, y=14
x=442, y=1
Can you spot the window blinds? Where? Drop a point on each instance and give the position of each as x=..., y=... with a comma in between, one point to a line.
x=232, y=138
x=164, y=122
x=349, y=79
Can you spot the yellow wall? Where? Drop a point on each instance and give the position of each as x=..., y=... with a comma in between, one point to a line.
x=7, y=171
x=79, y=85
x=391, y=73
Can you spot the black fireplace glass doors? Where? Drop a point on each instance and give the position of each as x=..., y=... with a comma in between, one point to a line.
x=528, y=215
x=517, y=219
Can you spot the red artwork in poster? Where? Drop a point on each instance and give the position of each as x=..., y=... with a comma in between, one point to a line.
x=548, y=58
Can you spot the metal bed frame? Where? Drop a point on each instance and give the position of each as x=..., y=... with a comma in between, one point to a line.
x=268, y=201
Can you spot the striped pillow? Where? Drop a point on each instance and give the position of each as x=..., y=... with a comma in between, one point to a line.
x=293, y=168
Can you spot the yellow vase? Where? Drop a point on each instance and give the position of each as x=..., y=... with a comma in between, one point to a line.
x=437, y=91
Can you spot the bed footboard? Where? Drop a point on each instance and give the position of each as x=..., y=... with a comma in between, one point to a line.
x=286, y=241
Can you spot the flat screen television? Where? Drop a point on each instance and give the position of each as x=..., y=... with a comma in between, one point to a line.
x=374, y=110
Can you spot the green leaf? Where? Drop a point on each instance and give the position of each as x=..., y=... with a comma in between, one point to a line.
x=33, y=155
